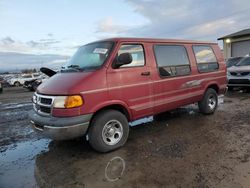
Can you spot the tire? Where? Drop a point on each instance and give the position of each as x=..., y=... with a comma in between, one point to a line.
x=17, y=84
x=230, y=88
x=108, y=131
x=248, y=89
x=31, y=89
x=34, y=86
x=209, y=102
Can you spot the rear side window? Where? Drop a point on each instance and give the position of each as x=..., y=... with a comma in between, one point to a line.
x=205, y=58
x=137, y=53
x=172, y=60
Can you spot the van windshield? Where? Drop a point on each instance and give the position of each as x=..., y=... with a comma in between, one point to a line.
x=89, y=57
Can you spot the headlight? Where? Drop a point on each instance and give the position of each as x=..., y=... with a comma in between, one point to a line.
x=59, y=102
x=68, y=101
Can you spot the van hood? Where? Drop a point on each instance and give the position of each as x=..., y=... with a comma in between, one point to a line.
x=47, y=71
x=65, y=83
x=239, y=69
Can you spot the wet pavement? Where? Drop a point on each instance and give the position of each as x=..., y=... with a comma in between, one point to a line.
x=182, y=148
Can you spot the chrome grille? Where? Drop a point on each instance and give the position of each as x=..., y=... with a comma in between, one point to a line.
x=42, y=104
x=46, y=101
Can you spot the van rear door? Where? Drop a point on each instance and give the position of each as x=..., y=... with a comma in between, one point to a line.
x=173, y=73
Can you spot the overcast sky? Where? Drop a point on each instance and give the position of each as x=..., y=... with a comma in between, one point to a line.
x=60, y=26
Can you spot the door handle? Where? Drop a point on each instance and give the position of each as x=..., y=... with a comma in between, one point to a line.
x=145, y=73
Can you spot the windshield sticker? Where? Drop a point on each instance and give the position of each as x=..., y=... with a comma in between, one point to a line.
x=100, y=50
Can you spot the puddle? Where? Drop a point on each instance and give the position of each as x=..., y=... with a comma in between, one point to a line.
x=15, y=105
x=17, y=163
x=7, y=117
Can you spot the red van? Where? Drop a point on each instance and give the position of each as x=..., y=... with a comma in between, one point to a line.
x=111, y=82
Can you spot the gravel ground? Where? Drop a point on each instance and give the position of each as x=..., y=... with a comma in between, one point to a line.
x=182, y=148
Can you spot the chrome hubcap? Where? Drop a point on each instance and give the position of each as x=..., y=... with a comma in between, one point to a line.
x=211, y=102
x=112, y=132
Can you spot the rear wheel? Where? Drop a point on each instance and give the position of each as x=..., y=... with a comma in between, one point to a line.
x=108, y=131
x=209, y=102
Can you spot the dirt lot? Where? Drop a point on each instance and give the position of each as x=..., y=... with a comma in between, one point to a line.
x=178, y=149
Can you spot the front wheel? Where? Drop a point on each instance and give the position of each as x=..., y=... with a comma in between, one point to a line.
x=230, y=88
x=209, y=102
x=108, y=131
x=34, y=86
x=248, y=89
x=17, y=84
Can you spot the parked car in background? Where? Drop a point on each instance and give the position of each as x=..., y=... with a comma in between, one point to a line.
x=33, y=84
x=109, y=83
x=5, y=79
x=239, y=75
x=18, y=81
x=233, y=61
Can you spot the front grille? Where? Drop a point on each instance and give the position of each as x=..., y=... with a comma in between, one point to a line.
x=239, y=73
x=238, y=81
x=46, y=101
x=245, y=73
x=43, y=104
x=233, y=73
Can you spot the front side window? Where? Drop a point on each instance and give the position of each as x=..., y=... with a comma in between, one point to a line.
x=90, y=56
x=205, y=58
x=172, y=60
x=137, y=53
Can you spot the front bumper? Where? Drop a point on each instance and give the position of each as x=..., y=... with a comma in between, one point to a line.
x=60, y=128
x=238, y=81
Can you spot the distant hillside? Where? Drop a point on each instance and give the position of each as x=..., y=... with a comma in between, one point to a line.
x=11, y=61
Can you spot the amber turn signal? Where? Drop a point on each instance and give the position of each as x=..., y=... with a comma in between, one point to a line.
x=73, y=101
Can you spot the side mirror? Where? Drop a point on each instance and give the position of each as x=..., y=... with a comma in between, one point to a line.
x=123, y=59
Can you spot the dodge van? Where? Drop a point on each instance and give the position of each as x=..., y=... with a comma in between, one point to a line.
x=109, y=83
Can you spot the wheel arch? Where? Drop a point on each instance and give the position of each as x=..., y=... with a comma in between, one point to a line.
x=213, y=86
x=119, y=106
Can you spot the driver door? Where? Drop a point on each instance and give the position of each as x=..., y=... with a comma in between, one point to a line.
x=131, y=83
